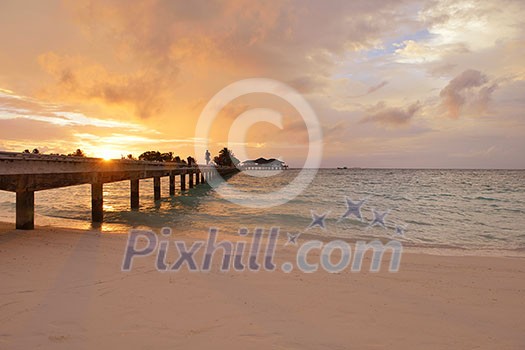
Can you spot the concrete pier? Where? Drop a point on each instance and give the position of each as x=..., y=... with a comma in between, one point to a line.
x=26, y=173
x=156, y=188
x=97, y=202
x=134, y=193
x=25, y=210
x=172, y=185
x=183, y=182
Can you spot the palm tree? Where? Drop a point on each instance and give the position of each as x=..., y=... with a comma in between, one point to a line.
x=77, y=153
x=151, y=156
x=227, y=158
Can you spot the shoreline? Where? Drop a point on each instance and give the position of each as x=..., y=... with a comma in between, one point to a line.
x=408, y=247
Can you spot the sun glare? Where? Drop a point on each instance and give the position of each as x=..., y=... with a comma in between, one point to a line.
x=107, y=154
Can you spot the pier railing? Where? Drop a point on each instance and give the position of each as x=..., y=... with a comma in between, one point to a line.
x=25, y=173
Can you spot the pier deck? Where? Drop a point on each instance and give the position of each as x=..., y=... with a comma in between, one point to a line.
x=26, y=173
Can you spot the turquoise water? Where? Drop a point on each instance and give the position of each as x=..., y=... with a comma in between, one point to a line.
x=472, y=209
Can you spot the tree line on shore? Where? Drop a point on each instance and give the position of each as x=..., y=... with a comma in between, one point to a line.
x=224, y=158
x=77, y=153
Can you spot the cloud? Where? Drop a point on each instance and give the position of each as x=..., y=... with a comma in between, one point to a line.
x=154, y=47
x=372, y=89
x=14, y=106
x=475, y=24
x=391, y=116
x=79, y=80
x=469, y=88
x=442, y=69
x=286, y=40
x=455, y=28
x=308, y=84
x=410, y=51
x=376, y=87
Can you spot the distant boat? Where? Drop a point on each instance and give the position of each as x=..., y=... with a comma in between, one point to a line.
x=341, y=168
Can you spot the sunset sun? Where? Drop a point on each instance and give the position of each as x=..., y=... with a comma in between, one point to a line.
x=107, y=153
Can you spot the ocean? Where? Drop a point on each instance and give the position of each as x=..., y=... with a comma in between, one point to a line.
x=466, y=210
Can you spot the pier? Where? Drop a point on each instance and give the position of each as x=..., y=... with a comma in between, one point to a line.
x=27, y=173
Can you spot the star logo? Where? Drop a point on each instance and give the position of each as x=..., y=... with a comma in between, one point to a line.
x=318, y=220
x=400, y=230
x=379, y=218
x=292, y=238
x=353, y=208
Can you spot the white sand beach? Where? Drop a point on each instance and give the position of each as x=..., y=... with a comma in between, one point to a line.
x=64, y=289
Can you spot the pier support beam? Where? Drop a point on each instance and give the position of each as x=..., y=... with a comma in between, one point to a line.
x=25, y=210
x=134, y=193
x=202, y=178
x=97, y=202
x=156, y=188
x=191, y=179
x=172, y=185
x=182, y=182
x=197, y=178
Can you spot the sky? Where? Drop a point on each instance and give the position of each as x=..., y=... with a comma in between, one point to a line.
x=395, y=84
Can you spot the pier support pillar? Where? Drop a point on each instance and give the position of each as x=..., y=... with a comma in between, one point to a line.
x=182, y=182
x=134, y=193
x=97, y=202
x=191, y=179
x=156, y=188
x=172, y=185
x=25, y=210
x=202, y=178
x=197, y=178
